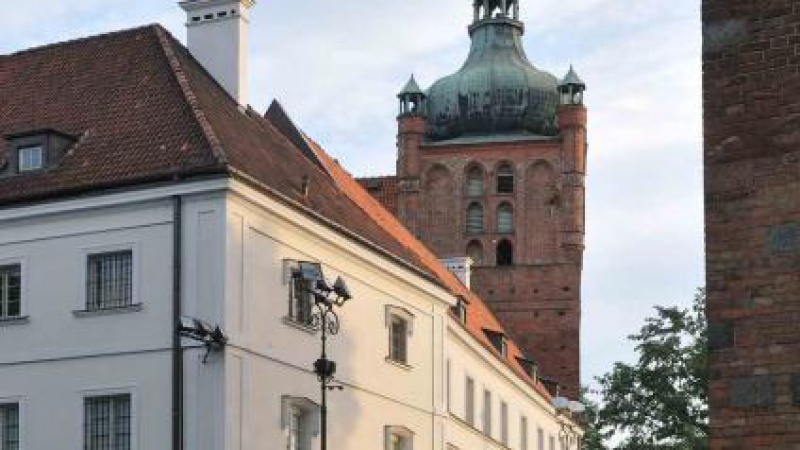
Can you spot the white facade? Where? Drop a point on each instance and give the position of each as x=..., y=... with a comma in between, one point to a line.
x=236, y=244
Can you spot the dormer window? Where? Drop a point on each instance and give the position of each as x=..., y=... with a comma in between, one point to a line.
x=498, y=339
x=460, y=310
x=530, y=367
x=30, y=158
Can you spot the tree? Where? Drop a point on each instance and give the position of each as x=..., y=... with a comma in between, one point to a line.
x=661, y=401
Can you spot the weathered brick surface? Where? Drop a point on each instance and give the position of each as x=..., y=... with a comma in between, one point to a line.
x=751, y=99
x=538, y=297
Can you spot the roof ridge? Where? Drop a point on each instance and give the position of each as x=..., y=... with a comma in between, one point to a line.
x=80, y=40
x=165, y=40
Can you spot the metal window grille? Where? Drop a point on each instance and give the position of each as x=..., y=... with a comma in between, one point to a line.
x=505, y=180
x=475, y=182
x=300, y=303
x=487, y=413
x=110, y=280
x=10, y=292
x=30, y=158
x=107, y=423
x=9, y=427
x=475, y=218
x=399, y=340
x=469, y=402
x=505, y=218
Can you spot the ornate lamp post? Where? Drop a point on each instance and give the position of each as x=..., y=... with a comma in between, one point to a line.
x=324, y=319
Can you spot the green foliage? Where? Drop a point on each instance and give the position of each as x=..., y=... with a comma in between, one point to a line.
x=661, y=401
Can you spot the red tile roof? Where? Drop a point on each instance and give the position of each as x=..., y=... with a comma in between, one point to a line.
x=384, y=189
x=145, y=111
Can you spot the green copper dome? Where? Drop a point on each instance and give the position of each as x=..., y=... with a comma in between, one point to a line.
x=497, y=91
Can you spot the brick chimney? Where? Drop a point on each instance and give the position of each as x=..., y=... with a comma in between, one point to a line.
x=217, y=35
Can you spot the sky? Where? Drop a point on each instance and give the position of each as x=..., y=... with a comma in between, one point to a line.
x=336, y=66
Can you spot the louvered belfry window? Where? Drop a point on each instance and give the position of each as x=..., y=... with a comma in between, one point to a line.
x=475, y=182
x=475, y=218
x=109, y=280
x=505, y=218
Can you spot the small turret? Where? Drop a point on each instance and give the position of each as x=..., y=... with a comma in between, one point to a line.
x=411, y=98
x=485, y=9
x=571, y=88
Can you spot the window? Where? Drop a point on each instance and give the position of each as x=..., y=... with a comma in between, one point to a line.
x=110, y=280
x=448, y=382
x=505, y=179
x=469, y=402
x=299, y=419
x=399, y=322
x=475, y=252
x=300, y=300
x=9, y=427
x=540, y=434
x=552, y=443
x=487, y=413
x=498, y=340
x=474, y=182
x=523, y=433
x=107, y=423
x=504, y=423
x=475, y=218
x=399, y=438
x=460, y=310
x=10, y=292
x=505, y=253
x=505, y=218
x=30, y=158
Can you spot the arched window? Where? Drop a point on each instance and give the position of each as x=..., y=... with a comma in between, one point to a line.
x=474, y=181
x=505, y=253
x=475, y=218
x=505, y=179
x=505, y=218
x=475, y=252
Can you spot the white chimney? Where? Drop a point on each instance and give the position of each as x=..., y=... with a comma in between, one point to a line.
x=217, y=35
x=461, y=267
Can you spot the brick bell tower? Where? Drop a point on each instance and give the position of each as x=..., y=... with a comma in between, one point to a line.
x=491, y=165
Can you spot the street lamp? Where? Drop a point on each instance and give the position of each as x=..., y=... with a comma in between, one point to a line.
x=567, y=409
x=323, y=319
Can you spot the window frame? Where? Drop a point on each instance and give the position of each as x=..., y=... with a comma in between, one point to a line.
x=290, y=266
x=505, y=209
x=502, y=179
x=474, y=173
x=135, y=302
x=404, y=433
x=133, y=425
x=311, y=412
x=42, y=158
x=506, y=261
x=19, y=264
x=523, y=432
x=487, y=413
x=5, y=406
x=469, y=401
x=504, y=438
x=470, y=228
x=395, y=314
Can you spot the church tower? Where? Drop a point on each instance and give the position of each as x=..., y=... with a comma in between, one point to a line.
x=491, y=165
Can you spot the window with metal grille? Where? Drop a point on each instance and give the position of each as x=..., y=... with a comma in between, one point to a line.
x=398, y=335
x=10, y=292
x=474, y=182
x=110, y=280
x=300, y=301
x=505, y=179
x=487, y=413
x=475, y=218
x=505, y=218
x=469, y=402
x=30, y=158
x=107, y=423
x=9, y=426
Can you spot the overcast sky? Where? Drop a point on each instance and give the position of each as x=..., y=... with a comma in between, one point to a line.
x=337, y=65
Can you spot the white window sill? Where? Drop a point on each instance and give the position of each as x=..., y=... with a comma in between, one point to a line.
x=399, y=364
x=12, y=321
x=299, y=325
x=109, y=311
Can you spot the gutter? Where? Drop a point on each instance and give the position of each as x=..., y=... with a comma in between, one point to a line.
x=177, y=350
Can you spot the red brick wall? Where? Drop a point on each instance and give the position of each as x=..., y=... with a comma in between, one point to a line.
x=752, y=163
